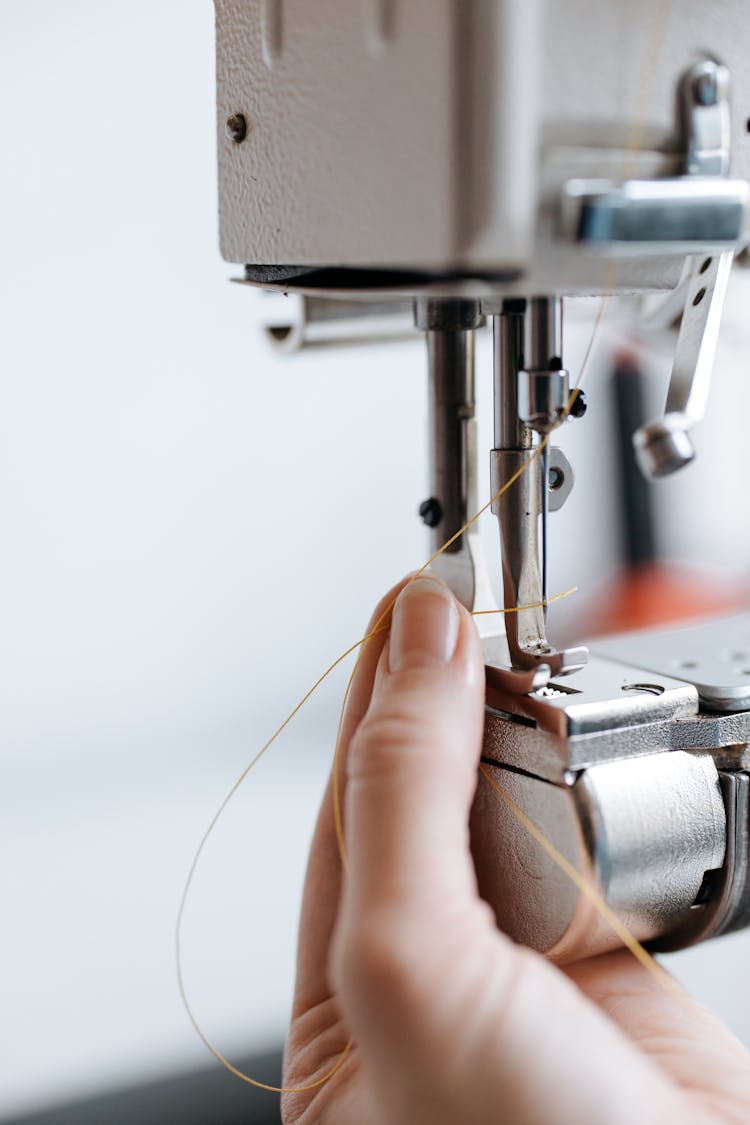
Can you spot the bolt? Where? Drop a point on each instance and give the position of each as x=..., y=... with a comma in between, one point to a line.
x=236, y=128
x=431, y=512
x=578, y=406
x=556, y=479
x=705, y=88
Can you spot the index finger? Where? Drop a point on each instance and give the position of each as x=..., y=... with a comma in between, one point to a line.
x=323, y=878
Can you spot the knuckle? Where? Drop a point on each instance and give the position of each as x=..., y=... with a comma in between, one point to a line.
x=382, y=739
x=370, y=961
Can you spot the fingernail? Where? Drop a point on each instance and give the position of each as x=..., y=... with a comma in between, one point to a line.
x=424, y=629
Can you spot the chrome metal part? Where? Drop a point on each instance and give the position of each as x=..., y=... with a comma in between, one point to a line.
x=519, y=682
x=643, y=830
x=543, y=384
x=450, y=327
x=293, y=321
x=664, y=446
x=452, y=429
x=700, y=208
x=646, y=216
x=560, y=479
x=712, y=655
x=608, y=710
x=543, y=398
x=724, y=897
x=545, y=531
x=518, y=510
x=508, y=329
x=520, y=486
x=544, y=336
x=732, y=911
x=707, y=124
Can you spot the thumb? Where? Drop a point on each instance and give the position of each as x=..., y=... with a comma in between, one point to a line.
x=412, y=770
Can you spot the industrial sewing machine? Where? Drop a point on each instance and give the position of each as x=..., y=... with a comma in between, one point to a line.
x=459, y=161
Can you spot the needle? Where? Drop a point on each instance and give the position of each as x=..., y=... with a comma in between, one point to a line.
x=545, y=514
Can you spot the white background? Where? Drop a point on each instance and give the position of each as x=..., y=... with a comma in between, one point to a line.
x=192, y=529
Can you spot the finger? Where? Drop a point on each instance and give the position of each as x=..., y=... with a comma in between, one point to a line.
x=323, y=877
x=686, y=1040
x=411, y=775
x=411, y=771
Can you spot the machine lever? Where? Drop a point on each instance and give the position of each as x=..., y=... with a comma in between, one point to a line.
x=665, y=445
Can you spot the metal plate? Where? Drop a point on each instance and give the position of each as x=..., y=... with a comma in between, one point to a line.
x=714, y=656
x=604, y=712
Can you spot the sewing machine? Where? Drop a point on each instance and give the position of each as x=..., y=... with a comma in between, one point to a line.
x=445, y=163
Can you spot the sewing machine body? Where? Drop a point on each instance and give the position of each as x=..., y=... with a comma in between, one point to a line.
x=434, y=137
x=482, y=159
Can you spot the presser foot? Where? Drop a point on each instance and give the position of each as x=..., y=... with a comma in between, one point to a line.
x=533, y=671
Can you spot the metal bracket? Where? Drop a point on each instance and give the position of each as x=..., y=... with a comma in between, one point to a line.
x=704, y=96
x=665, y=445
x=560, y=479
x=700, y=210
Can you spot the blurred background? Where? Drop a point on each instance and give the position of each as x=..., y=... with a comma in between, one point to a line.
x=193, y=528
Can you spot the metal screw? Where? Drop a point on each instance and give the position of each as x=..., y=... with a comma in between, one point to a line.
x=431, y=512
x=705, y=89
x=578, y=406
x=556, y=479
x=236, y=128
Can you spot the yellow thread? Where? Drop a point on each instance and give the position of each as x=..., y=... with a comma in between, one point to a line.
x=189, y=881
x=335, y=771
x=533, y=605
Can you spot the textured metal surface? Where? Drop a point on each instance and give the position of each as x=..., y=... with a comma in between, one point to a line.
x=377, y=148
x=604, y=712
x=657, y=825
x=644, y=830
x=439, y=143
x=726, y=891
x=609, y=696
x=519, y=742
x=532, y=902
x=713, y=655
x=709, y=731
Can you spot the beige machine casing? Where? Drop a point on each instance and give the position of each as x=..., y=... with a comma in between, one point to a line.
x=434, y=135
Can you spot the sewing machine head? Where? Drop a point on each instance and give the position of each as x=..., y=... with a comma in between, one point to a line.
x=472, y=159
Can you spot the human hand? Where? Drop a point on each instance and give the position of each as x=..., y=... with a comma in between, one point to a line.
x=451, y=1022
